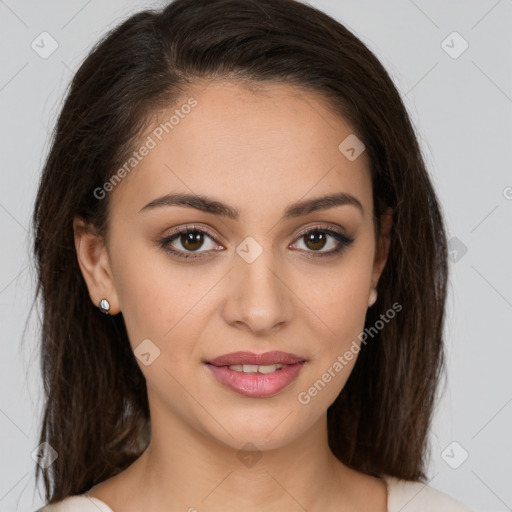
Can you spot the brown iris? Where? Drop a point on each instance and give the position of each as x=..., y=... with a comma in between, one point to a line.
x=315, y=240
x=192, y=241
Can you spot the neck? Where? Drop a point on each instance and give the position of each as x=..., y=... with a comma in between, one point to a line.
x=187, y=470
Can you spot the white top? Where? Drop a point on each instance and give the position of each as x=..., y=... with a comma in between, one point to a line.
x=403, y=496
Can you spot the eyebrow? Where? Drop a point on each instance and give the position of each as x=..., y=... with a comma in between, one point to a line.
x=209, y=205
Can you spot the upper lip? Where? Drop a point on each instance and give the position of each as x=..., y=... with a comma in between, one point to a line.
x=274, y=357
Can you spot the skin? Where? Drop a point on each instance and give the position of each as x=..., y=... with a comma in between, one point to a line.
x=257, y=150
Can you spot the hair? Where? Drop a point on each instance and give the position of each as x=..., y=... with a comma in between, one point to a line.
x=96, y=413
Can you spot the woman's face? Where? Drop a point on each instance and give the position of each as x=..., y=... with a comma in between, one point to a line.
x=247, y=277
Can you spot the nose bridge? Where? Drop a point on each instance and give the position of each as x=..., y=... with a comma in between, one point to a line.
x=257, y=298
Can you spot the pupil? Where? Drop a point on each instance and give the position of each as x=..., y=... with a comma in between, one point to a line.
x=316, y=238
x=189, y=239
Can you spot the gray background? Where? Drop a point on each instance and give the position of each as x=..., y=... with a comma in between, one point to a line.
x=462, y=110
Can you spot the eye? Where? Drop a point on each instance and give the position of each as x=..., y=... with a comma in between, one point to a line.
x=191, y=239
x=317, y=238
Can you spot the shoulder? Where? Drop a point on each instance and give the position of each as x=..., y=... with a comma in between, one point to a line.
x=78, y=503
x=406, y=496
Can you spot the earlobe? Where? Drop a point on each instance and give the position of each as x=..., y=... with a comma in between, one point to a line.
x=94, y=264
x=373, y=297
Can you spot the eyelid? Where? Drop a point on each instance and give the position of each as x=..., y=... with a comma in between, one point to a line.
x=321, y=227
x=192, y=227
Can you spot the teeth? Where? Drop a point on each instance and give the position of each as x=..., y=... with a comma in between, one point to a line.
x=254, y=368
x=250, y=368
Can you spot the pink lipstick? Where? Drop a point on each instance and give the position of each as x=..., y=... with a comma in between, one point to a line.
x=256, y=375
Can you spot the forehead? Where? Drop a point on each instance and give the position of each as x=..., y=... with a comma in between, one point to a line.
x=247, y=146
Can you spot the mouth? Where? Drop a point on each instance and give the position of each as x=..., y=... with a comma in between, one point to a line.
x=256, y=375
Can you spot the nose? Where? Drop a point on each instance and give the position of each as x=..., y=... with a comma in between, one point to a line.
x=258, y=298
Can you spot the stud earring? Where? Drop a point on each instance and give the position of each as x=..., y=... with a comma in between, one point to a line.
x=373, y=297
x=104, y=306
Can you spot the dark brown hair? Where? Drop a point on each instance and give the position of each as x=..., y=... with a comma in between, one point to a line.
x=96, y=410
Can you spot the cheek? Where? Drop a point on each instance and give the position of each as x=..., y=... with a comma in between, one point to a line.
x=163, y=302
x=145, y=294
x=339, y=312
x=339, y=296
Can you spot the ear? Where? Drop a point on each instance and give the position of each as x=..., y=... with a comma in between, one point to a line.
x=382, y=246
x=94, y=263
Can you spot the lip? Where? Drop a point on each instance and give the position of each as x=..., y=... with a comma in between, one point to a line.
x=256, y=385
x=274, y=357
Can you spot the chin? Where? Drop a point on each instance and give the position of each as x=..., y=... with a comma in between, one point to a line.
x=272, y=432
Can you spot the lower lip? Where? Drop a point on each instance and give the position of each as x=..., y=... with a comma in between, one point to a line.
x=256, y=385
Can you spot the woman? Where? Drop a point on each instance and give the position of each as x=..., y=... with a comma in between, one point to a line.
x=243, y=268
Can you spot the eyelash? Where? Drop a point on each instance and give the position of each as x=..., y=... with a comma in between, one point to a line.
x=343, y=240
